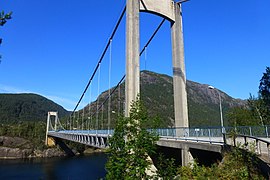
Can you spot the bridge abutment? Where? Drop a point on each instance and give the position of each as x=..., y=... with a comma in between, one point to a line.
x=50, y=142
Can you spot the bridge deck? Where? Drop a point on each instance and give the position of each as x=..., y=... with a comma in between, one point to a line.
x=203, y=139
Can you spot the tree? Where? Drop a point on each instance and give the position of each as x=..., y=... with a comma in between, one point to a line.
x=260, y=106
x=264, y=91
x=3, y=19
x=237, y=164
x=258, y=109
x=242, y=116
x=130, y=146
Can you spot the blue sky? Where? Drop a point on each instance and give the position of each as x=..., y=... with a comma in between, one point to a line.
x=51, y=47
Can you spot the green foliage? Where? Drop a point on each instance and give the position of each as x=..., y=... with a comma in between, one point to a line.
x=195, y=171
x=166, y=168
x=241, y=116
x=264, y=91
x=130, y=146
x=237, y=164
x=28, y=130
x=156, y=92
x=260, y=106
x=258, y=111
x=27, y=107
x=264, y=88
x=4, y=17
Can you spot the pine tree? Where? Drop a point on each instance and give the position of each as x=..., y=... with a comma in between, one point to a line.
x=264, y=91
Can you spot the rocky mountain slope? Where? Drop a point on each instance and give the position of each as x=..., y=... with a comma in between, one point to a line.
x=157, y=96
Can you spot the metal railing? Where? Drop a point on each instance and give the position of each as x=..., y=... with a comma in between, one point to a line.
x=195, y=133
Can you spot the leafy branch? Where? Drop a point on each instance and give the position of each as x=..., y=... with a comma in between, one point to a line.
x=3, y=19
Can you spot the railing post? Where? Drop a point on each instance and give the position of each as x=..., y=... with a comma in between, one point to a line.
x=209, y=134
x=250, y=132
x=266, y=130
x=268, y=152
x=196, y=134
x=186, y=133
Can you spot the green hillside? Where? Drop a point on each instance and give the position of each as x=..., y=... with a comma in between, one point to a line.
x=203, y=103
x=27, y=107
x=157, y=96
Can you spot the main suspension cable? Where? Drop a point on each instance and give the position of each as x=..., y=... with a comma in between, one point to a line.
x=144, y=48
x=153, y=35
x=100, y=59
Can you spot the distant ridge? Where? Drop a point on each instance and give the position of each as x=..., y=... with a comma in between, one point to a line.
x=27, y=107
x=156, y=94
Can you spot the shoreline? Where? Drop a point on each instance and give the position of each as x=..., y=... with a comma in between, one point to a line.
x=20, y=148
x=56, y=152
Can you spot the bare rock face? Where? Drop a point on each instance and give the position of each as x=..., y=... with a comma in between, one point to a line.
x=53, y=152
x=16, y=148
x=14, y=153
x=15, y=142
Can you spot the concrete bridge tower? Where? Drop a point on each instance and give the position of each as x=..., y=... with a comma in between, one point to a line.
x=173, y=13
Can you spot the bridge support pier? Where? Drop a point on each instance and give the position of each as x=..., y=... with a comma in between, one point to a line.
x=186, y=156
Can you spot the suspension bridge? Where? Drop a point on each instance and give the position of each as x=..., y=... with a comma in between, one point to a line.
x=93, y=124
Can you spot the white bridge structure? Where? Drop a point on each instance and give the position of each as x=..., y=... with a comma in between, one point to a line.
x=255, y=139
x=92, y=126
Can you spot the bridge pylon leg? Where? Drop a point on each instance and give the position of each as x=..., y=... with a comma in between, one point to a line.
x=179, y=73
x=132, y=86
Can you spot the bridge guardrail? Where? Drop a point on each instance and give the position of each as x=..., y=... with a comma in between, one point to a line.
x=208, y=134
x=256, y=131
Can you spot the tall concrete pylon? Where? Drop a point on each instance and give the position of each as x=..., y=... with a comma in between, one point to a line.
x=172, y=12
x=179, y=73
x=132, y=82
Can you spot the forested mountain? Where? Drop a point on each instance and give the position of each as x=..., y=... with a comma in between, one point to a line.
x=203, y=103
x=157, y=96
x=27, y=107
